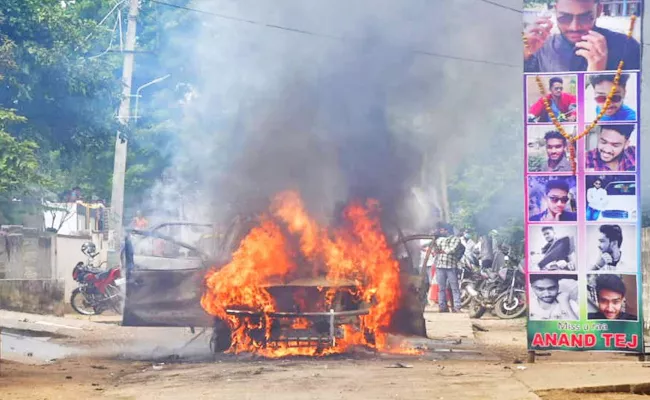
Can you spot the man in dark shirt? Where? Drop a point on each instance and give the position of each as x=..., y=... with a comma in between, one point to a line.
x=610, y=291
x=556, y=147
x=556, y=252
x=581, y=45
x=557, y=197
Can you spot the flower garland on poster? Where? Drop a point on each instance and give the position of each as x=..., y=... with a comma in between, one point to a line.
x=571, y=138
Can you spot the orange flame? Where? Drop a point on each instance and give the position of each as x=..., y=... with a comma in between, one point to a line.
x=354, y=260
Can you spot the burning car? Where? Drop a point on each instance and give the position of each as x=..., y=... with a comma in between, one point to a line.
x=280, y=284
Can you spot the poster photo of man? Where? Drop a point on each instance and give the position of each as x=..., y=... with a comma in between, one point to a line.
x=578, y=35
x=548, y=150
x=554, y=297
x=560, y=93
x=611, y=198
x=611, y=147
x=612, y=297
x=552, y=198
x=612, y=247
x=624, y=103
x=552, y=248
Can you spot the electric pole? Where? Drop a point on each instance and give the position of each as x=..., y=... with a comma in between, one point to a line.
x=123, y=116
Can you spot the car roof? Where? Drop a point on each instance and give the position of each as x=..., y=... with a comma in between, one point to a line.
x=622, y=182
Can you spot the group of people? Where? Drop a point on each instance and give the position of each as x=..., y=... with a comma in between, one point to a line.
x=448, y=250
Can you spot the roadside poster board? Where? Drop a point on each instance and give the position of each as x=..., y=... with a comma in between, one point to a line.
x=582, y=61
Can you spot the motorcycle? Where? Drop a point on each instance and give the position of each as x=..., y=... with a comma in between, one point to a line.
x=503, y=292
x=512, y=302
x=467, y=273
x=98, y=290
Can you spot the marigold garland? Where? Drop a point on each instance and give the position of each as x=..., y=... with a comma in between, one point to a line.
x=571, y=138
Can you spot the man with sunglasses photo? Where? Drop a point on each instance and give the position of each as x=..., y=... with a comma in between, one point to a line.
x=557, y=198
x=613, y=151
x=580, y=45
x=596, y=200
x=617, y=111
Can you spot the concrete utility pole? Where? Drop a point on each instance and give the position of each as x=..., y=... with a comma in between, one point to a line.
x=119, y=168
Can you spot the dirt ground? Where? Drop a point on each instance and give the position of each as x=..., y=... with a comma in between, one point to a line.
x=359, y=376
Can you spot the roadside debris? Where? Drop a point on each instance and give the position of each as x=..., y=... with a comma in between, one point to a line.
x=399, y=365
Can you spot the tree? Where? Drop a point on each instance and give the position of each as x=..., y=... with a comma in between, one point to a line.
x=66, y=97
x=18, y=163
x=62, y=77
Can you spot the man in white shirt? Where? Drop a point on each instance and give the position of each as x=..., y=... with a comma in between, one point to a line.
x=549, y=302
x=596, y=200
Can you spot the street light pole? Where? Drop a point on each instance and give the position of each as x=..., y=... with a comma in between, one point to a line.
x=136, y=115
x=119, y=166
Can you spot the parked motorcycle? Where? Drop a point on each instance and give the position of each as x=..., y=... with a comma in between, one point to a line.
x=512, y=303
x=98, y=290
x=467, y=273
x=502, y=291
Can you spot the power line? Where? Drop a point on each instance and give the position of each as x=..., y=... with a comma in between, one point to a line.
x=331, y=37
x=494, y=3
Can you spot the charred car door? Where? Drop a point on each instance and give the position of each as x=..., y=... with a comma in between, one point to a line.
x=165, y=281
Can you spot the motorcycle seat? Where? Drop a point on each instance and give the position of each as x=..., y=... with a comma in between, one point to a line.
x=102, y=275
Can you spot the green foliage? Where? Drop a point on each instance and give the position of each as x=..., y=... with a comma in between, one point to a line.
x=18, y=164
x=537, y=3
x=536, y=162
x=66, y=99
x=61, y=89
x=485, y=192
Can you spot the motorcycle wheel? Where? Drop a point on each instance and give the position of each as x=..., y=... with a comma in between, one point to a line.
x=465, y=297
x=510, y=309
x=80, y=304
x=116, y=302
x=476, y=310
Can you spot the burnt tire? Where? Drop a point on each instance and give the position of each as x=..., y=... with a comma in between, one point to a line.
x=476, y=310
x=79, y=303
x=221, y=340
x=515, y=307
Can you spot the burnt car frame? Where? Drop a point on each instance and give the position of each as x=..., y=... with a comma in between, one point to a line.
x=164, y=288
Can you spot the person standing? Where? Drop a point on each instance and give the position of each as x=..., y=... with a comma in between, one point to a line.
x=449, y=250
x=596, y=200
x=486, y=252
x=139, y=222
